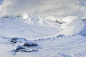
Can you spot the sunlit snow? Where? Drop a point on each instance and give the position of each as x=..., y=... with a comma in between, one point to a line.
x=42, y=28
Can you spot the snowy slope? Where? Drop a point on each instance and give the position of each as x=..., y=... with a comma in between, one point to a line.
x=50, y=43
x=66, y=46
x=83, y=31
x=73, y=28
x=17, y=27
x=39, y=21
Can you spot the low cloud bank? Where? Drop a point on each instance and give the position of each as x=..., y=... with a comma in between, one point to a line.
x=57, y=8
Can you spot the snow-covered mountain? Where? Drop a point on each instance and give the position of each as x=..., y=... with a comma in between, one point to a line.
x=51, y=39
x=27, y=28
x=74, y=27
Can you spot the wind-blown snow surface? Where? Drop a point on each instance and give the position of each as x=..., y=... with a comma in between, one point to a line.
x=17, y=27
x=66, y=46
x=73, y=27
x=50, y=43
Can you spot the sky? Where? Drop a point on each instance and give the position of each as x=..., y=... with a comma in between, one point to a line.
x=1, y=2
x=43, y=7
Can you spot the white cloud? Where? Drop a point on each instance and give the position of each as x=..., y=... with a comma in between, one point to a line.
x=44, y=7
x=68, y=19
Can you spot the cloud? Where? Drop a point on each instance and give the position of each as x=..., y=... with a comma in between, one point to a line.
x=44, y=7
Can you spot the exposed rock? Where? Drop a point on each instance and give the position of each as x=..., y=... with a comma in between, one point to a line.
x=14, y=40
x=24, y=49
x=19, y=48
x=30, y=44
x=58, y=22
x=61, y=35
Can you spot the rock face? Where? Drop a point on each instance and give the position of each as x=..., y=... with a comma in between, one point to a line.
x=30, y=44
x=14, y=40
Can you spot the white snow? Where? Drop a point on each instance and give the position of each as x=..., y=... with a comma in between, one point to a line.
x=53, y=39
x=16, y=27
x=73, y=27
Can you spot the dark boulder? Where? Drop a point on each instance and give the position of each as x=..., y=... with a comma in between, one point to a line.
x=14, y=40
x=30, y=44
